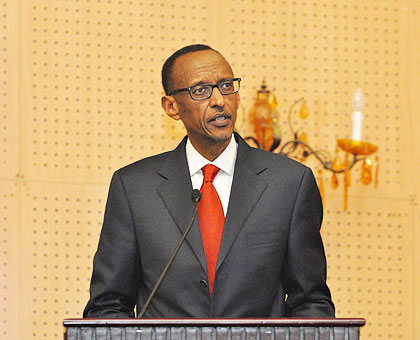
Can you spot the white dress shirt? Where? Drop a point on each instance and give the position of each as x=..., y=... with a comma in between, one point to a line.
x=225, y=162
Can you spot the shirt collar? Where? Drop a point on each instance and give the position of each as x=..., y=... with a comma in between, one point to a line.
x=225, y=162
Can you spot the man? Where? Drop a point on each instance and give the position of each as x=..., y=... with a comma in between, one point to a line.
x=261, y=257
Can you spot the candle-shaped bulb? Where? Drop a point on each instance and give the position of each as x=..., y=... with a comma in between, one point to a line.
x=357, y=115
x=358, y=101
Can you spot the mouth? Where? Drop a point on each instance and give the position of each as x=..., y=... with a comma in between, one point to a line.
x=220, y=119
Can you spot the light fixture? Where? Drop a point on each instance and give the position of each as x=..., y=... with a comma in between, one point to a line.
x=264, y=117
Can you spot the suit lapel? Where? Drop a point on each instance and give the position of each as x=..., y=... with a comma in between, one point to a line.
x=175, y=192
x=246, y=191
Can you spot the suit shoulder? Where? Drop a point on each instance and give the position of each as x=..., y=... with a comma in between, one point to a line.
x=278, y=161
x=144, y=165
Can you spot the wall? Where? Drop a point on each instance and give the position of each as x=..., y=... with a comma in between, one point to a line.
x=80, y=97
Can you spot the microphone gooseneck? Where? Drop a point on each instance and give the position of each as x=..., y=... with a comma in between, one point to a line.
x=195, y=197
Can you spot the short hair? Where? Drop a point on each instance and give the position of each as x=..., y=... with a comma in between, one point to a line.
x=169, y=63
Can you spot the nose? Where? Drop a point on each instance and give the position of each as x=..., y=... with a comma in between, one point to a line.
x=217, y=99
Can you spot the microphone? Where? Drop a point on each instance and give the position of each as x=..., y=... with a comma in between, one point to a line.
x=195, y=197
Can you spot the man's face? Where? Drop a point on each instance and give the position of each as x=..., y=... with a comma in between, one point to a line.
x=210, y=121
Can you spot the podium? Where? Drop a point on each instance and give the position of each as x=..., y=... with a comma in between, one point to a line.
x=213, y=329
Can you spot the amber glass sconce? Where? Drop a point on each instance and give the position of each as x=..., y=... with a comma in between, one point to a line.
x=264, y=117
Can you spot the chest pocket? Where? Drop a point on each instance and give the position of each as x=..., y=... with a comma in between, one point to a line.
x=264, y=239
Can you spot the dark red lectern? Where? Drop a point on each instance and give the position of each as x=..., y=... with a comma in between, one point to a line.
x=212, y=329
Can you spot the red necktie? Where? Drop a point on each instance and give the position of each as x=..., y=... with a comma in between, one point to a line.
x=212, y=219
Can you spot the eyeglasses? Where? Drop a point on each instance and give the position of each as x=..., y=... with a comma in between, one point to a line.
x=204, y=91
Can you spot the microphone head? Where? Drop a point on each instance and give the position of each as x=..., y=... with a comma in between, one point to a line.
x=196, y=195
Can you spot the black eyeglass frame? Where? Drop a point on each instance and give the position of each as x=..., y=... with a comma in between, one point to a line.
x=212, y=86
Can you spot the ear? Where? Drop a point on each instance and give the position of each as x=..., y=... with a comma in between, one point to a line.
x=171, y=107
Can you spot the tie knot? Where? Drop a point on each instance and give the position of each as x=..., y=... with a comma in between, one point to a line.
x=209, y=172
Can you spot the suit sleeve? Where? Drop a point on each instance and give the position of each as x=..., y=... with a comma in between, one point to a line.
x=305, y=270
x=116, y=265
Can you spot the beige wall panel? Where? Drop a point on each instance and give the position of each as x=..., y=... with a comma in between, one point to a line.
x=413, y=74
x=91, y=89
x=9, y=260
x=60, y=233
x=370, y=257
x=9, y=89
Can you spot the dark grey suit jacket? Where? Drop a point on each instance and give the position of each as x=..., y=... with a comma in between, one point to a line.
x=271, y=261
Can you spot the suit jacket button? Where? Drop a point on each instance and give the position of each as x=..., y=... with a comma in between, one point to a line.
x=203, y=283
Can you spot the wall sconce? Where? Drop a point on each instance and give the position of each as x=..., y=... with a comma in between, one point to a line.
x=264, y=117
